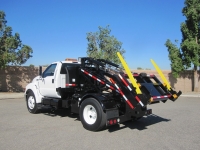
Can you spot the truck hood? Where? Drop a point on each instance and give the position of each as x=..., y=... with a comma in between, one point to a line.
x=35, y=79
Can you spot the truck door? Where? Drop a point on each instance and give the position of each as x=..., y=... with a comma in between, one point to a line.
x=47, y=82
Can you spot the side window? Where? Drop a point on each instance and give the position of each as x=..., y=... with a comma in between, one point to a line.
x=63, y=69
x=49, y=71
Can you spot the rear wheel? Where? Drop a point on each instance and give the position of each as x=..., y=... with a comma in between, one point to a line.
x=31, y=103
x=91, y=115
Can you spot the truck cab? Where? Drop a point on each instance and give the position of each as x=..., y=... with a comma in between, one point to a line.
x=57, y=77
x=55, y=82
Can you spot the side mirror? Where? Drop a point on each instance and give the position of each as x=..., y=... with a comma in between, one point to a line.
x=40, y=70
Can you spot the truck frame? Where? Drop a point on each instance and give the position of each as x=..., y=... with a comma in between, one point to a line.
x=100, y=91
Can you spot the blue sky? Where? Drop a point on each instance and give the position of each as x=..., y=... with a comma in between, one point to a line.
x=56, y=29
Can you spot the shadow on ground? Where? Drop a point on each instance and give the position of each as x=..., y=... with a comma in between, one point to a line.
x=59, y=112
x=140, y=124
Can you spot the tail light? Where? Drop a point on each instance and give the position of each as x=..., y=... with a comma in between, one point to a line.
x=113, y=121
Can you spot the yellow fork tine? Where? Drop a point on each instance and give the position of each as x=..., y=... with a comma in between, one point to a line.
x=133, y=81
x=165, y=82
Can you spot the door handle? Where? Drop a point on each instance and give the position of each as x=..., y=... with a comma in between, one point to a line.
x=40, y=79
x=52, y=80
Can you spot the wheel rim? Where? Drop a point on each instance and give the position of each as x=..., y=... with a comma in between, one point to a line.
x=31, y=102
x=90, y=114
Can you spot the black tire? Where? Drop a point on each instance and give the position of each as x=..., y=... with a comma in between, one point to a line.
x=91, y=115
x=31, y=103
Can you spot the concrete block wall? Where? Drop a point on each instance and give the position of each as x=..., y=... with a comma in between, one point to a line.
x=15, y=79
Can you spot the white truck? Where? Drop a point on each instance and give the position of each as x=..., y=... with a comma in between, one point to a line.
x=97, y=90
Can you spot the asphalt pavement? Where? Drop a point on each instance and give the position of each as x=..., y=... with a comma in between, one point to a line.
x=172, y=126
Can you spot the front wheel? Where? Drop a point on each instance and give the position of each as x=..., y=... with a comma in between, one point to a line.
x=91, y=115
x=31, y=103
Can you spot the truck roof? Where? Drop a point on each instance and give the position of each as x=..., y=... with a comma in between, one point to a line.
x=69, y=62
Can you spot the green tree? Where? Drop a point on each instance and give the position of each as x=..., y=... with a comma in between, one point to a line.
x=12, y=51
x=188, y=54
x=102, y=45
x=139, y=68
